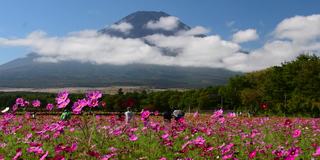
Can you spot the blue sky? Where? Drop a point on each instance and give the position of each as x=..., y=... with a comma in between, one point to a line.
x=59, y=17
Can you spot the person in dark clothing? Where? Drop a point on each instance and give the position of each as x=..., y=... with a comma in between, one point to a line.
x=167, y=115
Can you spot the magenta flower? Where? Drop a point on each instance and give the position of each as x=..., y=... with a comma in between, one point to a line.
x=145, y=115
x=93, y=102
x=165, y=136
x=94, y=95
x=296, y=133
x=62, y=96
x=199, y=141
x=26, y=103
x=36, y=103
x=62, y=99
x=78, y=106
x=117, y=132
x=162, y=158
x=317, y=153
x=133, y=137
x=37, y=150
x=231, y=115
x=43, y=157
x=217, y=113
x=252, y=154
x=64, y=103
x=20, y=102
x=71, y=148
x=18, y=154
x=15, y=107
x=228, y=156
x=226, y=148
x=108, y=156
x=49, y=106
x=292, y=153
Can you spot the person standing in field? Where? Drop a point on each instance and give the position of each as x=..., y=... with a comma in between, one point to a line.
x=178, y=114
x=128, y=115
x=66, y=115
x=167, y=116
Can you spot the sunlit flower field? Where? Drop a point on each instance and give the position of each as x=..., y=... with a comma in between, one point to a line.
x=196, y=136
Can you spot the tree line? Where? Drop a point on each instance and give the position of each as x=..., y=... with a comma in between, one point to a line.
x=291, y=89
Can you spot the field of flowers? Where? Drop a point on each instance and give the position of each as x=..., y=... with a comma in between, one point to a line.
x=196, y=136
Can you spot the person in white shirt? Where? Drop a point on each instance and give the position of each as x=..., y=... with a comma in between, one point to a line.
x=129, y=115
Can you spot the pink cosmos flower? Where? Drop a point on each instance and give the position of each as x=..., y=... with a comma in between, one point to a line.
x=18, y=154
x=58, y=157
x=292, y=153
x=117, y=132
x=36, y=150
x=64, y=103
x=26, y=103
x=94, y=95
x=71, y=148
x=20, y=101
x=199, y=141
x=145, y=115
x=49, y=106
x=217, y=113
x=78, y=106
x=93, y=102
x=165, y=136
x=43, y=157
x=226, y=148
x=162, y=158
x=108, y=156
x=15, y=107
x=231, y=115
x=296, y=133
x=62, y=96
x=36, y=103
x=228, y=156
x=133, y=137
x=29, y=135
x=252, y=154
x=317, y=153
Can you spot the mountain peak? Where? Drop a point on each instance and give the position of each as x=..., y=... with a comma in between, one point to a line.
x=138, y=21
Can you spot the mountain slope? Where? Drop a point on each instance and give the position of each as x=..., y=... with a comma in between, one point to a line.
x=25, y=72
x=139, y=20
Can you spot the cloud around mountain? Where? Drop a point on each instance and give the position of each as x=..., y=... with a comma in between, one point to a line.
x=165, y=23
x=291, y=37
x=122, y=27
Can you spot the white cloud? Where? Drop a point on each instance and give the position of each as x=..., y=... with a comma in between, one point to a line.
x=288, y=41
x=124, y=27
x=292, y=37
x=299, y=28
x=196, y=51
x=198, y=30
x=165, y=23
x=245, y=36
